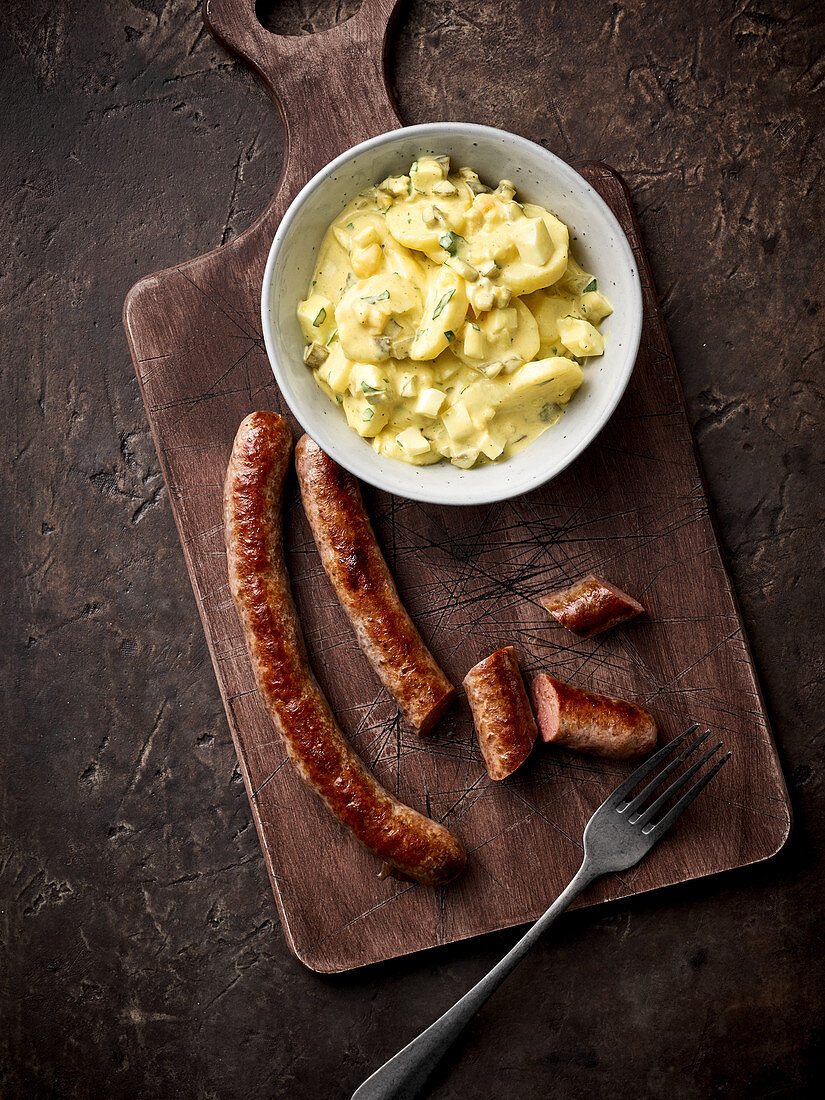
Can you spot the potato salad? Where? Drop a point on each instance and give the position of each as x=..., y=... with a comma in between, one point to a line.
x=448, y=320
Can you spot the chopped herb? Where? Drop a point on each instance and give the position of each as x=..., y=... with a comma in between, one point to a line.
x=339, y=399
x=450, y=335
x=409, y=187
x=350, y=225
x=474, y=325
x=555, y=351
x=439, y=309
x=449, y=241
x=368, y=414
x=414, y=166
x=592, y=285
x=333, y=337
x=377, y=298
x=367, y=388
x=320, y=317
x=314, y=281
x=546, y=381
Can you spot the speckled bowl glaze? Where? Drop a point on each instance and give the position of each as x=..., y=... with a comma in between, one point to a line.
x=599, y=244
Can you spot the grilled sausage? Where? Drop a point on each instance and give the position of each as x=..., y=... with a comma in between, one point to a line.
x=259, y=582
x=504, y=722
x=590, y=606
x=587, y=722
x=363, y=584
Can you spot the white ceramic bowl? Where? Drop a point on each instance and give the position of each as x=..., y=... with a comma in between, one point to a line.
x=598, y=244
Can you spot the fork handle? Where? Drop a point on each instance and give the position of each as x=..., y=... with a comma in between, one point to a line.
x=404, y=1076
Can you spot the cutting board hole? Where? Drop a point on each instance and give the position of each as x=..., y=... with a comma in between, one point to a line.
x=293, y=18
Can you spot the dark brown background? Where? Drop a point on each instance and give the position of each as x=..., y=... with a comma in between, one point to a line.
x=143, y=952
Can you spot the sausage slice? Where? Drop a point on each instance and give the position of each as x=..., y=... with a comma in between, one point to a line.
x=590, y=606
x=587, y=722
x=504, y=722
x=363, y=583
x=258, y=579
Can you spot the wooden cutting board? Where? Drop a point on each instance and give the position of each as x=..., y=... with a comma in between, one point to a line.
x=632, y=507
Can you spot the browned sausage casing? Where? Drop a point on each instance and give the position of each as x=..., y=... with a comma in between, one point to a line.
x=504, y=722
x=587, y=722
x=590, y=606
x=260, y=587
x=363, y=583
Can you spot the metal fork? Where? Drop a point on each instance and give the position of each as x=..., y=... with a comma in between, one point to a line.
x=616, y=837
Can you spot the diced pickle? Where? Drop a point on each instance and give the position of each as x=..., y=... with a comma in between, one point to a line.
x=315, y=355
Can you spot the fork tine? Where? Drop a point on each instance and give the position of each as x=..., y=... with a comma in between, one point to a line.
x=676, y=785
x=648, y=766
x=657, y=780
x=661, y=827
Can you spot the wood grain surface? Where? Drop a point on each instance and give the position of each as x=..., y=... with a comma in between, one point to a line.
x=632, y=508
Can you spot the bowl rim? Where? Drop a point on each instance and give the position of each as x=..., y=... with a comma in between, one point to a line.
x=363, y=471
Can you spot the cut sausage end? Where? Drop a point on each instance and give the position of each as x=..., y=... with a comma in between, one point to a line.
x=587, y=722
x=504, y=723
x=430, y=720
x=590, y=606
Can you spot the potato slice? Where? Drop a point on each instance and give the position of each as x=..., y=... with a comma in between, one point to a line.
x=444, y=313
x=378, y=316
x=548, y=309
x=517, y=245
x=366, y=419
x=419, y=224
x=555, y=379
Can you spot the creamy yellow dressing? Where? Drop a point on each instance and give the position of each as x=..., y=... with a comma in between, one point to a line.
x=448, y=320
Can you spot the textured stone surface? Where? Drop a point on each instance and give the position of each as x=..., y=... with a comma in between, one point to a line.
x=143, y=954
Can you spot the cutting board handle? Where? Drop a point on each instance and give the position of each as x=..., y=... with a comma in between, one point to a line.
x=331, y=87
